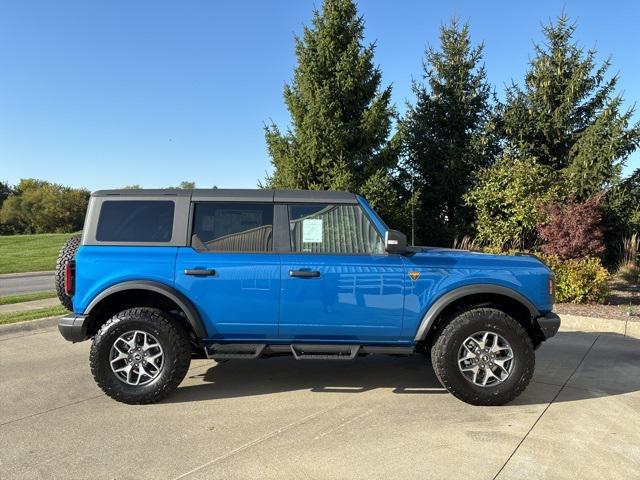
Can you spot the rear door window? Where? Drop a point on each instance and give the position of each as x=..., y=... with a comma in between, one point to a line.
x=233, y=227
x=145, y=221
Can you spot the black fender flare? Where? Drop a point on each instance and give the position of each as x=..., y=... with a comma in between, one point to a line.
x=193, y=317
x=451, y=296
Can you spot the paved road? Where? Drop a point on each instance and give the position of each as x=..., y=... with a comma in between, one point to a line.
x=36, y=282
x=377, y=417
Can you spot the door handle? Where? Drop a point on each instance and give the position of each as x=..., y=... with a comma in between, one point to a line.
x=304, y=273
x=200, y=272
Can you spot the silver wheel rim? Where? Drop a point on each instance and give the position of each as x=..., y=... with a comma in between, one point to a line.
x=136, y=357
x=486, y=359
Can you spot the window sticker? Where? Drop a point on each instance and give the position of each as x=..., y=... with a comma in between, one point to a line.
x=312, y=230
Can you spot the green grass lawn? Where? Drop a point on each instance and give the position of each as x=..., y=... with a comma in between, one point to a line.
x=6, y=318
x=26, y=297
x=30, y=253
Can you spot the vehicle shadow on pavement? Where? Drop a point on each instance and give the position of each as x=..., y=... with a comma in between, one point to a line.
x=239, y=378
x=589, y=364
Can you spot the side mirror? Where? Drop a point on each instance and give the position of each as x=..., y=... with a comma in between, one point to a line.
x=395, y=242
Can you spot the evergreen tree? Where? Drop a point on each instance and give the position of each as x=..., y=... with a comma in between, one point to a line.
x=567, y=115
x=446, y=134
x=340, y=118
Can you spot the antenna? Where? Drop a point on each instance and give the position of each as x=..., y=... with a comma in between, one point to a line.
x=413, y=219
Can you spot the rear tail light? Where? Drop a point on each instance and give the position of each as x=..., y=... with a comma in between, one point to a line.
x=69, y=277
x=552, y=287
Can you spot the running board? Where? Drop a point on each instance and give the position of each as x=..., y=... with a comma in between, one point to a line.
x=324, y=352
x=300, y=351
x=220, y=351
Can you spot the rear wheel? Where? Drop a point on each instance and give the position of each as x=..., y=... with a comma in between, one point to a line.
x=140, y=355
x=484, y=357
x=66, y=255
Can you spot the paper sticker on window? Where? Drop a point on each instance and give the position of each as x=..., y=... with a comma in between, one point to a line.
x=312, y=230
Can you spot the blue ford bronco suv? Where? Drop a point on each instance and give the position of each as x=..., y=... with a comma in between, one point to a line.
x=162, y=276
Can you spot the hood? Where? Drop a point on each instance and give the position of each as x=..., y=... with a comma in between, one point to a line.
x=447, y=256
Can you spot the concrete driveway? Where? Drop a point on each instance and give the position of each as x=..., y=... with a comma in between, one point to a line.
x=377, y=417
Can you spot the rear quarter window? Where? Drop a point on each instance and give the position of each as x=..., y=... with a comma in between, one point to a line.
x=135, y=221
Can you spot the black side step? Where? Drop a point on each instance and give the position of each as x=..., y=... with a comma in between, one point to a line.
x=300, y=351
x=219, y=351
x=324, y=352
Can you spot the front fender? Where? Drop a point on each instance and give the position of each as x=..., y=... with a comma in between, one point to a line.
x=451, y=296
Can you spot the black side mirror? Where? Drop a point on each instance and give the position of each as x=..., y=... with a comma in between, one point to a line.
x=395, y=242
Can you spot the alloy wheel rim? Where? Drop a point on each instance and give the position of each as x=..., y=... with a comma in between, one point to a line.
x=136, y=358
x=486, y=359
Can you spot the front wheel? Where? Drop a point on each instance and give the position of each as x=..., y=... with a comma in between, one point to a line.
x=140, y=355
x=484, y=357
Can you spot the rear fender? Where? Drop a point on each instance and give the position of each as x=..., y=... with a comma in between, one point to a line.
x=193, y=317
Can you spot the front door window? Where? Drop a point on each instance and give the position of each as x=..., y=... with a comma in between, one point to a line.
x=339, y=229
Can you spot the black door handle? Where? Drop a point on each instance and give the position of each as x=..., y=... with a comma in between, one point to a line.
x=200, y=272
x=304, y=273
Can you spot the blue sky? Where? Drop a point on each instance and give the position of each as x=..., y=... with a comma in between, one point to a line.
x=106, y=94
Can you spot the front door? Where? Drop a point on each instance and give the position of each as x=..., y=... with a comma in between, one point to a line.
x=338, y=285
x=230, y=272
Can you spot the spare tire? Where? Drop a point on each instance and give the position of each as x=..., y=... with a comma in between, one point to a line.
x=67, y=254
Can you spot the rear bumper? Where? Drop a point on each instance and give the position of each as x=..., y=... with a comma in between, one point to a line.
x=549, y=324
x=73, y=327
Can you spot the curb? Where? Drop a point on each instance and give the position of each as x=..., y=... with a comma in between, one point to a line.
x=29, y=325
x=27, y=274
x=627, y=328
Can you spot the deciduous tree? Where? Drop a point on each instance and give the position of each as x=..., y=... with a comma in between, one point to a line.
x=573, y=229
x=508, y=200
x=37, y=206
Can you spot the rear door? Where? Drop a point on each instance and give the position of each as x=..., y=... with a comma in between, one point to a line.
x=230, y=271
x=338, y=284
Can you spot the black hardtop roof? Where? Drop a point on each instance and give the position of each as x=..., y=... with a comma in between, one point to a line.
x=237, y=195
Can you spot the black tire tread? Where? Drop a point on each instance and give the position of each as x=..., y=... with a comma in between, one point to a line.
x=439, y=353
x=178, y=368
x=67, y=254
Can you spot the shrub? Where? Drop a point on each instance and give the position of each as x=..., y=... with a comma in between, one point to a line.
x=507, y=201
x=582, y=280
x=573, y=229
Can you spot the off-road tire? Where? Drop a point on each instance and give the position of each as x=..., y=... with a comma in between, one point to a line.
x=172, y=336
x=67, y=254
x=444, y=356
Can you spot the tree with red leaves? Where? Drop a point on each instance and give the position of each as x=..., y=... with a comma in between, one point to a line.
x=573, y=229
